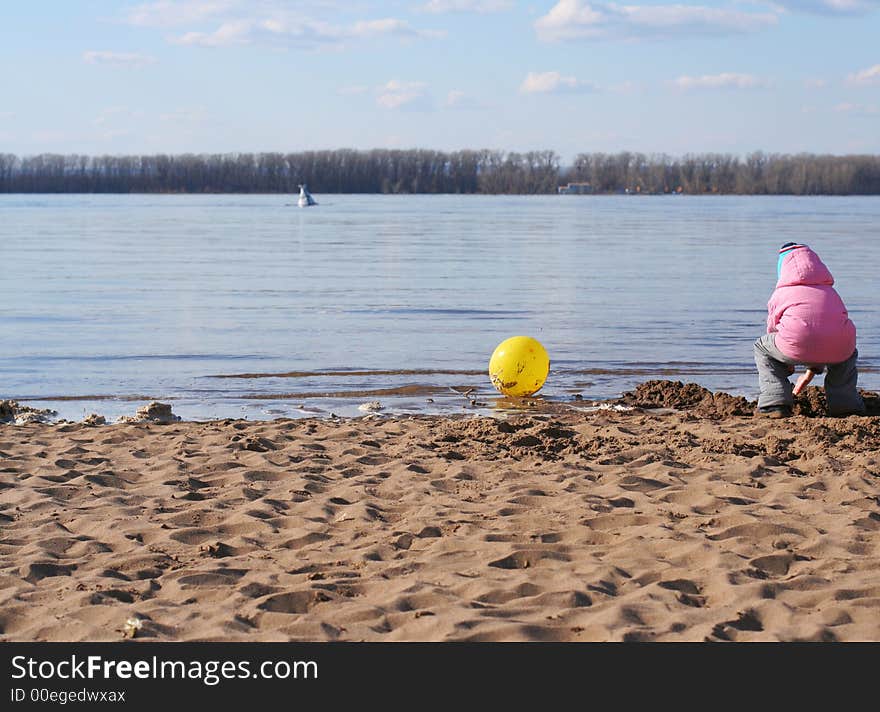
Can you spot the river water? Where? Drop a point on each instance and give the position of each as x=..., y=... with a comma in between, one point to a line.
x=248, y=306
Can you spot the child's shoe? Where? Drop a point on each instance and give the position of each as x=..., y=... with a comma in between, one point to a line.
x=775, y=411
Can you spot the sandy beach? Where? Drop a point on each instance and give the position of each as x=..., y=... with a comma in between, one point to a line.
x=693, y=522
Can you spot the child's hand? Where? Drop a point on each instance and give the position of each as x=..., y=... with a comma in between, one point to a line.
x=803, y=381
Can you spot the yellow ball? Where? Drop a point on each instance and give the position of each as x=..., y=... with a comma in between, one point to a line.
x=519, y=366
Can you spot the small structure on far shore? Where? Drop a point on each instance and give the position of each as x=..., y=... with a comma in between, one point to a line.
x=575, y=189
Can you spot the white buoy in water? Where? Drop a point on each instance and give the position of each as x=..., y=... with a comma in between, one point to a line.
x=305, y=198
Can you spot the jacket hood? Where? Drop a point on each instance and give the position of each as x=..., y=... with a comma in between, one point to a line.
x=803, y=266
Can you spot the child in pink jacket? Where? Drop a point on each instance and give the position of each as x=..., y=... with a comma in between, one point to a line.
x=807, y=323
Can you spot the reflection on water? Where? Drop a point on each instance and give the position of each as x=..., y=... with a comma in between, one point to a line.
x=243, y=306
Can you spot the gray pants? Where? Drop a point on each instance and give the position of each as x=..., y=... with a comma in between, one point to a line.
x=774, y=368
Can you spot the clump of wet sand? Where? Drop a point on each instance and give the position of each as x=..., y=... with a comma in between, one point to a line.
x=94, y=419
x=153, y=412
x=704, y=403
x=812, y=402
x=686, y=396
x=13, y=412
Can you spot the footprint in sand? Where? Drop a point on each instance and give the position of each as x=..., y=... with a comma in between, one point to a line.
x=37, y=571
x=294, y=602
x=773, y=565
x=747, y=621
x=527, y=559
x=501, y=596
x=641, y=484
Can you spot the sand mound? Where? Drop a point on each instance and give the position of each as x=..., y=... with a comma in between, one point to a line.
x=686, y=396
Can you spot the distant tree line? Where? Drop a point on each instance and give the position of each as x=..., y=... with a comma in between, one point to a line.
x=426, y=171
x=757, y=174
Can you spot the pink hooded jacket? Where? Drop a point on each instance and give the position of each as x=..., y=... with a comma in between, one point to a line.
x=806, y=313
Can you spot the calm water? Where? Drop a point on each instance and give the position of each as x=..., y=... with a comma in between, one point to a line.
x=113, y=300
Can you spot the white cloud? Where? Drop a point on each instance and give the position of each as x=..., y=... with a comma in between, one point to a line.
x=395, y=93
x=726, y=80
x=119, y=59
x=815, y=83
x=480, y=6
x=581, y=19
x=868, y=76
x=554, y=83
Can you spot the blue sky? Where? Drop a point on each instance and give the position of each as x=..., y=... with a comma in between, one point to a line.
x=106, y=76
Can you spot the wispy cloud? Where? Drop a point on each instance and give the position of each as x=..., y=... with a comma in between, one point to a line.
x=237, y=32
x=866, y=77
x=830, y=7
x=119, y=59
x=583, y=20
x=726, y=80
x=396, y=94
x=387, y=26
x=301, y=33
x=554, y=83
x=225, y=23
x=480, y=6
x=815, y=83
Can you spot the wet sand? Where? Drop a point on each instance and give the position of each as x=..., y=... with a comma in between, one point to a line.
x=700, y=523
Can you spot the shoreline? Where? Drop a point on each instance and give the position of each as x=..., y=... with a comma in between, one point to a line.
x=647, y=395
x=688, y=525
